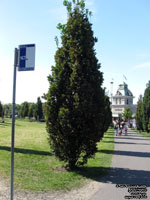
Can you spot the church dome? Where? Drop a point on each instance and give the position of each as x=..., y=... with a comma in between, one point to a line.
x=123, y=90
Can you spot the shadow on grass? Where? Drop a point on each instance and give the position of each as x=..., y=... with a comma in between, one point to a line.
x=26, y=151
x=94, y=173
x=4, y=124
x=117, y=175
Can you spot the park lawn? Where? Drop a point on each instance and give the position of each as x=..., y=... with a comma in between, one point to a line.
x=143, y=133
x=35, y=166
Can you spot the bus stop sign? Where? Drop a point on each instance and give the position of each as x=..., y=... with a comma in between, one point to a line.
x=26, y=58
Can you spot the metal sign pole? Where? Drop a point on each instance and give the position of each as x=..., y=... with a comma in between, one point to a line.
x=13, y=124
x=26, y=62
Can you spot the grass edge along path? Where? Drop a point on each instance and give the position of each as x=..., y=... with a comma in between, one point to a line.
x=143, y=133
x=35, y=166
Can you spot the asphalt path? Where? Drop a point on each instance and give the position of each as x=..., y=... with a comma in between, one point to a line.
x=129, y=176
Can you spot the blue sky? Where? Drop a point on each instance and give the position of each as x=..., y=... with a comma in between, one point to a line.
x=123, y=48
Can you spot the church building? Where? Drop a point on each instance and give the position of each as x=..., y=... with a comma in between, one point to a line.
x=122, y=99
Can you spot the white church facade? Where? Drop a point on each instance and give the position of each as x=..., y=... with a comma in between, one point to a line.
x=122, y=99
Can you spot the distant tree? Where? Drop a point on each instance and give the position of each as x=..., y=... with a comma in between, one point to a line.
x=44, y=109
x=31, y=110
x=38, y=109
x=24, y=109
x=149, y=125
x=75, y=100
x=107, y=120
x=139, y=114
x=18, y=110
x=146, y=107
x=7, y=109
x=1, y=110
x=127, y=114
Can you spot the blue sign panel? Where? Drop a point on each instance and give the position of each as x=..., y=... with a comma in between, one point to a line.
x=26, y=57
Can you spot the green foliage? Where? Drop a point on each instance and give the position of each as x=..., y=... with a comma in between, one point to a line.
x=18, y=110
x=57, y=42
x=146, y=107
x=139, y=114
x=107, y=119
x=24, y=109
x=75, y=100
x=7, y=109
x=38, y=112
x=127, y=114
x=1, y=110
x=149, y=125
x=31, y=110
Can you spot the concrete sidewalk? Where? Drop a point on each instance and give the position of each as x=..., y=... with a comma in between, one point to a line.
x=130, y=167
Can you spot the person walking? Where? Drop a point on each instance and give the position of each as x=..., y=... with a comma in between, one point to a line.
x=116, y=129
x=125, y=129
x=120, y=131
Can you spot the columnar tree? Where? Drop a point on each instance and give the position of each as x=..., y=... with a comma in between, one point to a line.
x=31, y=110
x=75, y=100
x=107, y=120
x=38, y=113
x=139, y=113
x=146, y=107
x=24, y=109
x=1, y=110
x=18, y=110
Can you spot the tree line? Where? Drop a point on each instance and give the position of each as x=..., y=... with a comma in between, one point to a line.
x=143, y=110
x=24, y=110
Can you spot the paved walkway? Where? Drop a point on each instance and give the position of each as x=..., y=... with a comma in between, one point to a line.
x=130, y=167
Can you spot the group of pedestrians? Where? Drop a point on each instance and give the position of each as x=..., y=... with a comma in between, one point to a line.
x=120, y=127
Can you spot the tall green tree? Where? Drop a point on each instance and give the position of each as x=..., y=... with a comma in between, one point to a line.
x=75, y=100
x=18, y=110
x=7, y=109
x=24, y=109
x=146, y=107
x=38, y=109
x=139, y=113
x=127, y=114
x=31, y=110
x=1, y=110
x=107, y=120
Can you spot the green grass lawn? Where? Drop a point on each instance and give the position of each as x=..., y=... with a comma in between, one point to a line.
x=34, y=164
x=143, y=133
